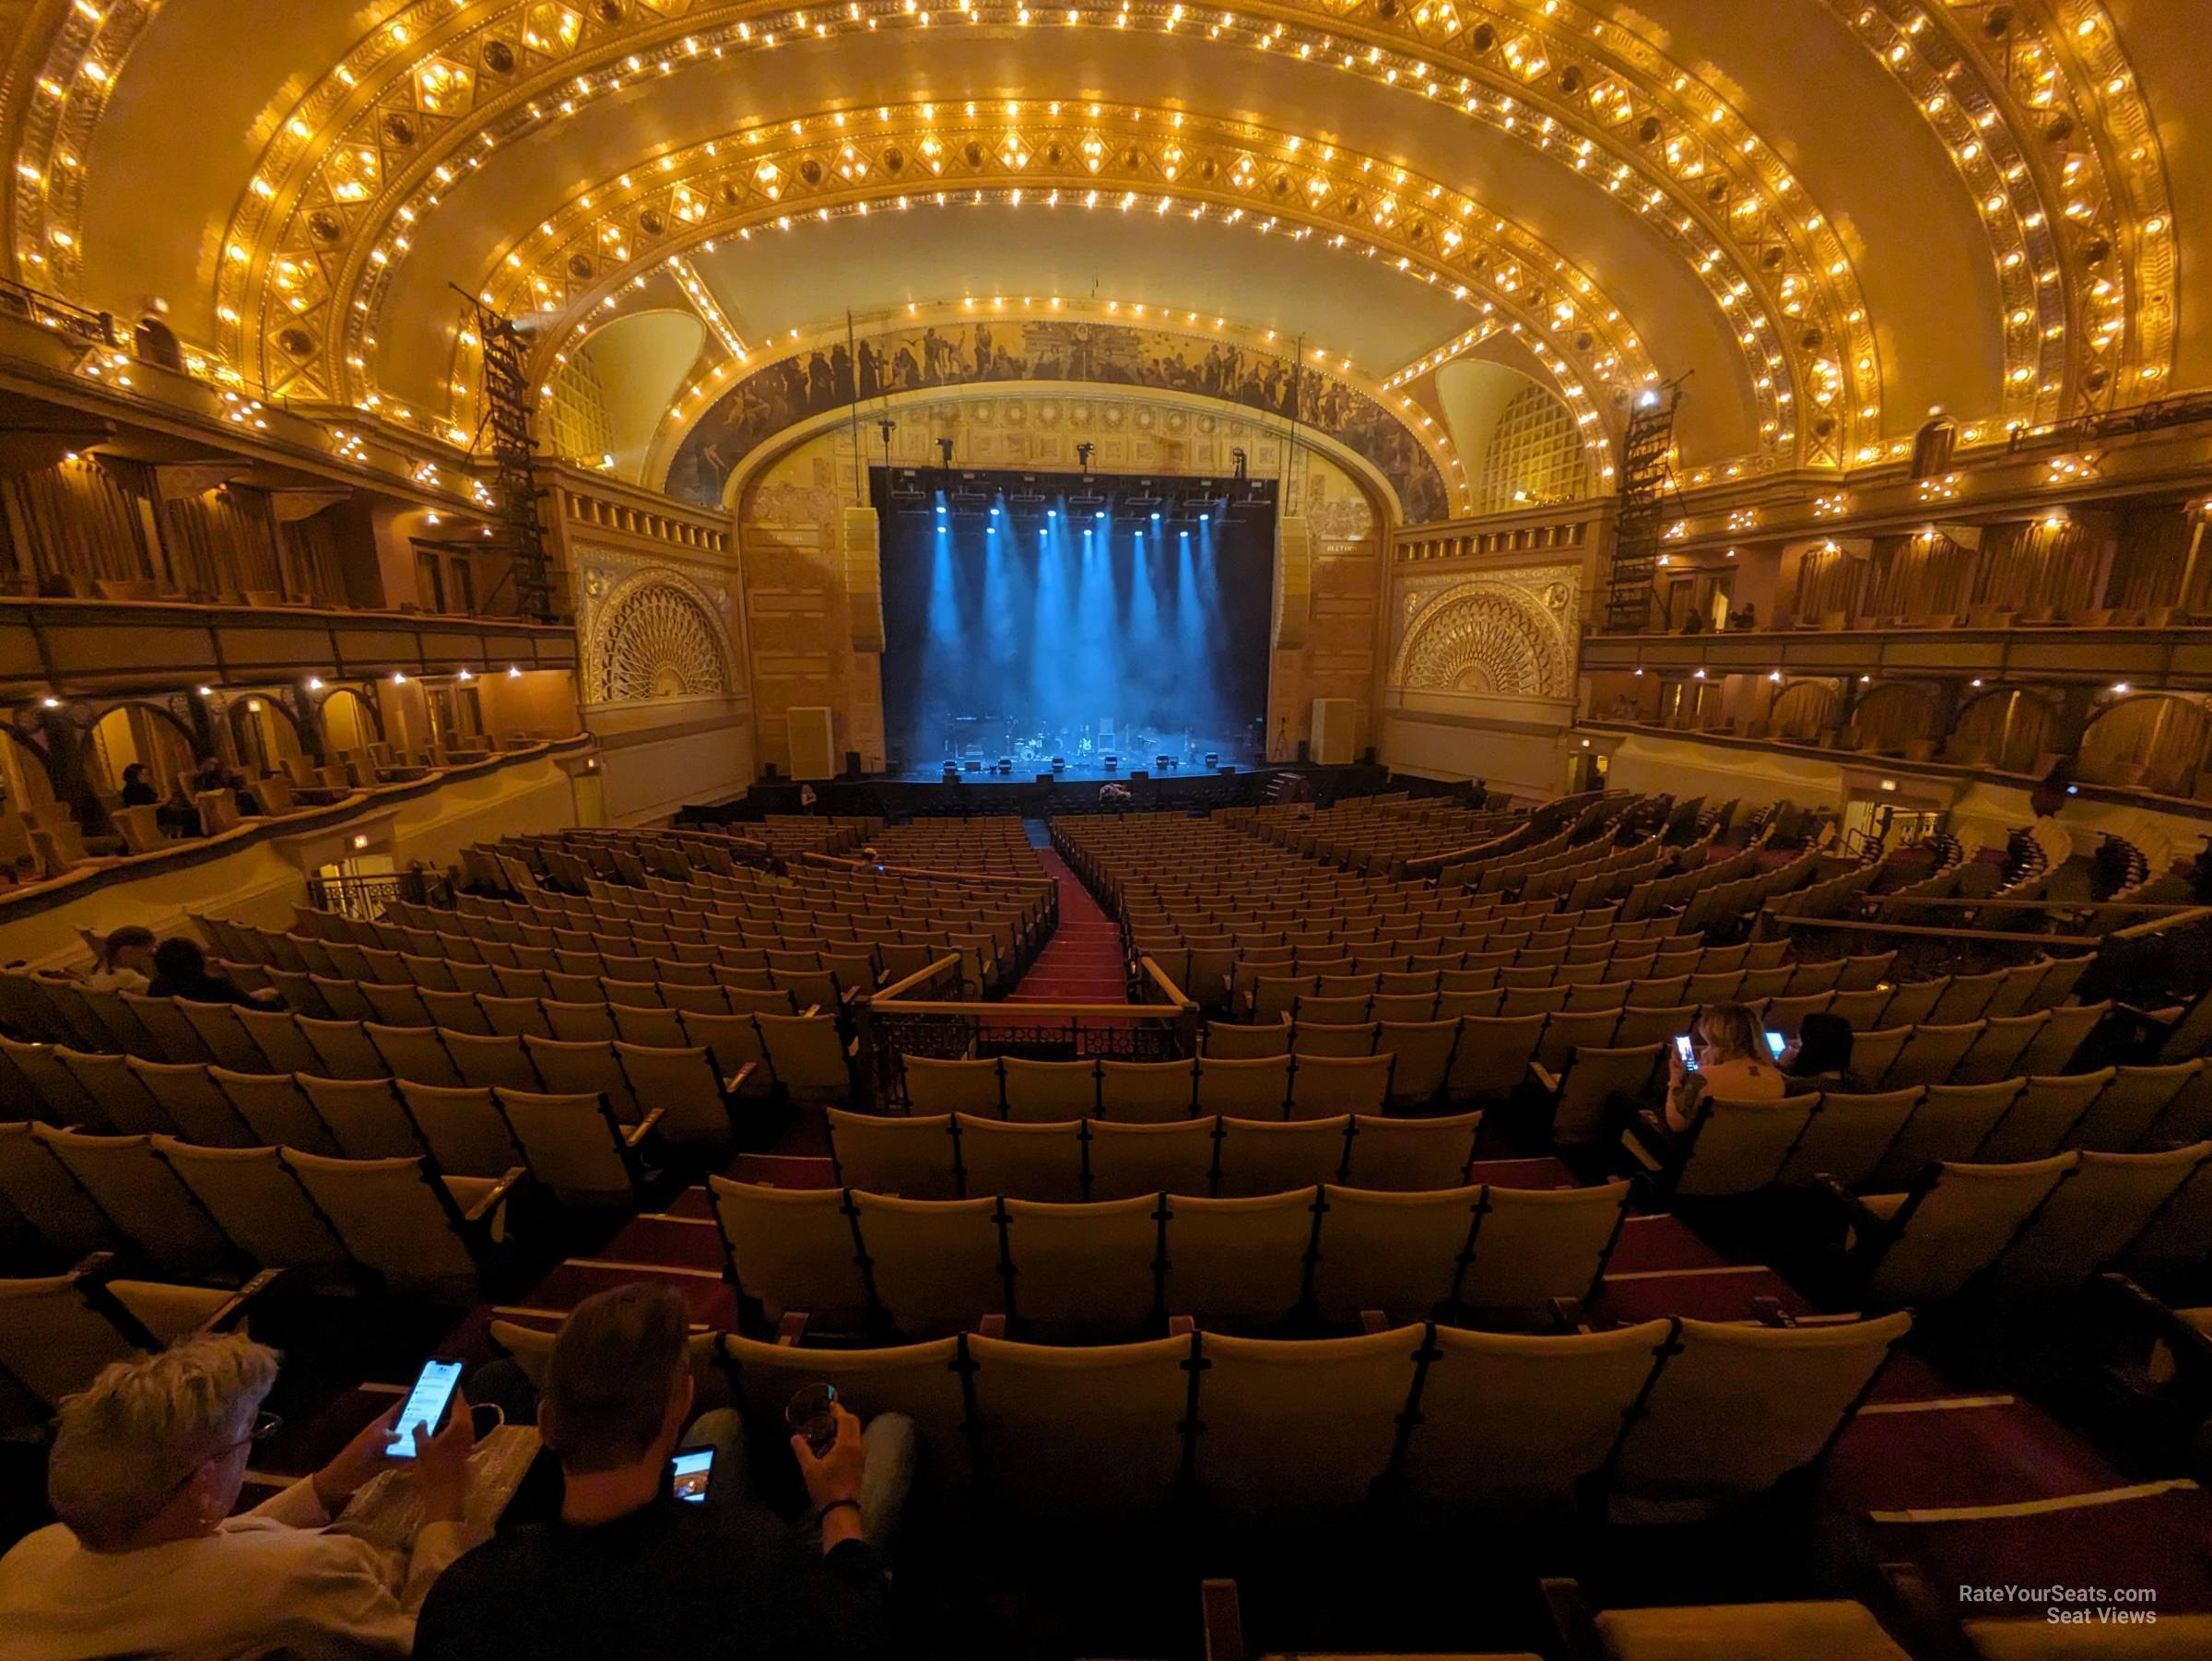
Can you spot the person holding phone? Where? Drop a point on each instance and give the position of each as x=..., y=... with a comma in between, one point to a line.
x=1731, y=1063
x=657, y=1548
x=147, y=1558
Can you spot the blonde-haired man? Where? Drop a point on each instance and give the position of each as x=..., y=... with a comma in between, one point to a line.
x=147, y=1558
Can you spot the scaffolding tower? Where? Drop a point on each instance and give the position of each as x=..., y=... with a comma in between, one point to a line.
x=1647, y=480
x=507, y=409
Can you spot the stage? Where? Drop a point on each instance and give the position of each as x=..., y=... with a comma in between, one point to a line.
x=1077, y=769
x=929, y=796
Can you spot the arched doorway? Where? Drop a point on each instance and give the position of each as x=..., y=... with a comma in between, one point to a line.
x=349, y=723
x=264, y=734
x=142, y=732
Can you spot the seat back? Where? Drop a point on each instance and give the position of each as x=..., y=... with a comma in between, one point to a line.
x=258, y=1203
x=342, y=1050
x=1046, y=1092
x=57, y=1332
x=179, y=1040
x=365, y=1118
x=393, y=1216
x=191, y=1099
x=1994, y=1054
x=1930, y=1055
x=225, y=1041
x=1035, y=1161
x=1312, y=1035
x=1493, y=1055
x=142, y=1197
x=1095, y=1428
x=680, y=1081
x=922, y=1381
x=1595, y=1077
x=1238, y=1261
x=1172, y=1157
x=953, y=1086
x=276, y=1110
x=501, y=1061
x=1337, y=1401
x=912, y=1156
x=1849, y=1136
x=571, y=1144
x=2042, y=1115
x=791, y=1249
x=1952, y=1122
x=1256, y=1089
x=38, y=1187
x=2108, y=1201
x=1259, y=1156
x=2055, y=1041
x=2121, y=1118
x=1738, y=1407
x=123, y=1102
x=413, y=1054
x=1564, y=1397
x=463, y=1128
x=1953, y=1228
x=1324, y=1086
x=1400, y=1253
x=276, y=1035
x=1146, y=1092
x=938, y=1264
x=807, y=1054
x=1232, y=1042
x=1534, y=1244
x=1096, y=1266
x=1741, y=1147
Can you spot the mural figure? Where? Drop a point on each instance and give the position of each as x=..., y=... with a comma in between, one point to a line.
x=782, y=393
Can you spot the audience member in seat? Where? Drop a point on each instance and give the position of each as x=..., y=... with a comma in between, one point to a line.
x=627, y=1568
x=148, y=1559
x=136, y=792
x=126, y=961
x=181, y=970
x=1822, y=1057
x=1733, y=1065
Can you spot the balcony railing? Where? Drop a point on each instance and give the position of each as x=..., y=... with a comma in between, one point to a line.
x=88, y=646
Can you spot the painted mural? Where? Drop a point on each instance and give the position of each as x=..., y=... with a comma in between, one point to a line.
x=806, y=384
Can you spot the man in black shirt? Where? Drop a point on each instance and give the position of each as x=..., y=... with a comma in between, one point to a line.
x=627, y=1568
x=181, y=970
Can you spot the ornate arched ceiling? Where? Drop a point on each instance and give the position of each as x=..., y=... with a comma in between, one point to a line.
x=1837, y=213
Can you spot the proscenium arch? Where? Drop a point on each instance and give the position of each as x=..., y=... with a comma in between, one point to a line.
x=688, y=413
x=1557, y=76
x=1382, y=499
x=611, y=231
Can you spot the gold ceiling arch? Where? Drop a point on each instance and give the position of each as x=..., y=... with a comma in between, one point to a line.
x=2072, y=67
x=1061, y=158
x=1542, y=56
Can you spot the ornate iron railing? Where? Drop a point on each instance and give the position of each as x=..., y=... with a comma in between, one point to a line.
x=365, y=897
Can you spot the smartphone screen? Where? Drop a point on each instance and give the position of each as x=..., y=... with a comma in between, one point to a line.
x=426, y=1405
x=1776, y=1043
x=688, y=1473
x=1684, y=1048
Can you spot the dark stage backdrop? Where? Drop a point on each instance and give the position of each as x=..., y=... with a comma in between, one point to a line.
x=1032, y=626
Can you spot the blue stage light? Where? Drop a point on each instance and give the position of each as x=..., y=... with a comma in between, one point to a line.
x=1052, y=513
x=994, y=512
x=1155, y=519
x=1100, y=514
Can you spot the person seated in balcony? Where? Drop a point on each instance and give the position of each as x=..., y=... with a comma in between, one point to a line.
x=627, y=1567
x=1821, y=1059
x=147, y=1557
x=1694, y=623
x=1747, y=617
x=136, y=792
x=126, y=961
x=1733, y=1065
x=181, y=970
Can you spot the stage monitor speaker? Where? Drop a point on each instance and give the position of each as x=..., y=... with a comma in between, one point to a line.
x=1332, y=731
x=1046, y=778
x=853, y=764
x=813, y=742
x=1136, y=774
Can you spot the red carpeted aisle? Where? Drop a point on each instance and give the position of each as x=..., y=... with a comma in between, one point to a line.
x=1082, y=962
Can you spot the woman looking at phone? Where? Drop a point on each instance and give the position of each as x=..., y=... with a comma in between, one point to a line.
x=1732, y=1065
x=148, y=1559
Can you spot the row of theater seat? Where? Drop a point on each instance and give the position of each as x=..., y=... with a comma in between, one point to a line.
x=224, y=1106
x=1737, y=1147
x=948, y=1155
x=852, y=1260
x=197, y=1212
x=1477, y=1424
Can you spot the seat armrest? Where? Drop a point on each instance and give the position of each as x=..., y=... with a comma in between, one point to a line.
x=1574, y=1619
x=1863, y=1220
x=637, y=1133
x=488, y=1203
x=1549, y=1084
x=791, y=1331
x=1569, y=1314
x=991, y=1326
x=1180, y=1326
x=1373, y=1321
x=1224, y=1620
x=1768, y=1311
x=737, y=1081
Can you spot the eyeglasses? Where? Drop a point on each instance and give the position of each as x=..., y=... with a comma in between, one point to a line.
x=264, y=1426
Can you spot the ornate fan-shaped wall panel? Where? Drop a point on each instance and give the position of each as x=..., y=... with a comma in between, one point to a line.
x=1489, y=640
x=655, y=642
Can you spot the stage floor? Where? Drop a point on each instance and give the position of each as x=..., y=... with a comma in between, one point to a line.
x=1078, y=772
